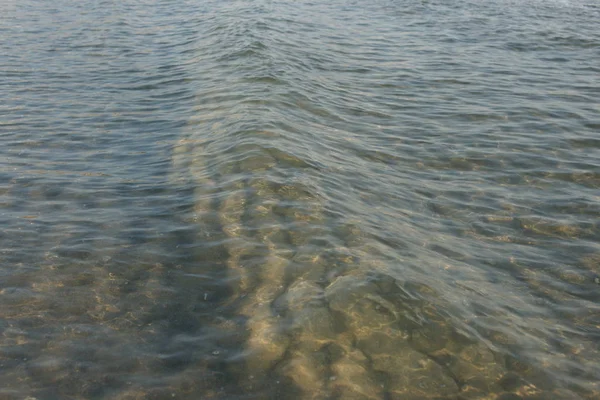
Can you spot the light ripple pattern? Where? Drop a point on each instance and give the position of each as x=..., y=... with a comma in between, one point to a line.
x=256, y=199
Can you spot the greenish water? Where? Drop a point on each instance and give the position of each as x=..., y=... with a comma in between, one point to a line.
x=300, y=200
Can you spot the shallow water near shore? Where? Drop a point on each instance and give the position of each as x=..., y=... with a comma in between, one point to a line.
x=300, y=200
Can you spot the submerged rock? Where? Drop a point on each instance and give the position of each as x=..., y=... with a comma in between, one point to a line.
x=352, y=234
x=476, y=367
x=353, y=379
x=412, y=375
x=356, y=298
x=308, y=372
x=232, y=208
x=300, y=295
x=431, y=336
x=309, y=263
x=307, y=317
x=344, y=292
x=387, y=341
x=266, y=345
x=257, y=162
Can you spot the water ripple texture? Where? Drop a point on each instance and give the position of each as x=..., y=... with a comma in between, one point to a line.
x=264, y=199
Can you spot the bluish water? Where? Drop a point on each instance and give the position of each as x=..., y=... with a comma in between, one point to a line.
x=300, y=200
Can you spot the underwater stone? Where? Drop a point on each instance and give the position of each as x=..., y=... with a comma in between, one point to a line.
x=573, y=276
x=532, y=373
x=347, y=290
x=478, y=355
x=295, y=192
x=351, y=233
x=414, y=374
x=478, y=386
x=307, y=314
x=353, y=380
x=263, y=214
x=262, y=219
x=387, y=341
x=355, y=299
x=313, y=325
x=307, y=373
x=233, y=206
x=285, y=158
x=275, y=239
x=272, y=271
x=508, y=396
x=371, y=312
x=311, y=213
x=257, y=162
x=197, y=166
x=511, y=381
x=302, y=294
x=263, y=189
x=266, y=345
x=203, y=202
x=227, y=168
x=471, y=393
x=431, y=336
x=302, y=233
x=309, y=264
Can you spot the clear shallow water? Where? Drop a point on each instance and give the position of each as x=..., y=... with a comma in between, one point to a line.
x=266, y=199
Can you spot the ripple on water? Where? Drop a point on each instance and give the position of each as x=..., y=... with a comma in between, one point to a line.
x=392, y=200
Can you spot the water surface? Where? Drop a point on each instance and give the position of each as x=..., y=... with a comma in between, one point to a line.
x=300, y=200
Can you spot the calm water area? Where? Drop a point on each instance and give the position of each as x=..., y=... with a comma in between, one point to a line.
x=272, y=199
